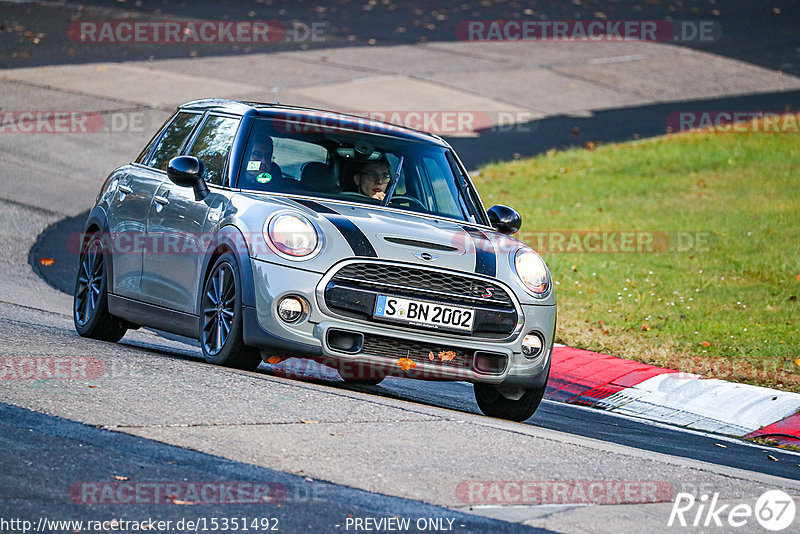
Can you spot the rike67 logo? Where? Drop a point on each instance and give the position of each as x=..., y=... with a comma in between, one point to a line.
x=774, y=511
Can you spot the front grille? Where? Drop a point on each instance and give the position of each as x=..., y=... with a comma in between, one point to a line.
x=352, y=292
x=424, y=283
x=395, y=349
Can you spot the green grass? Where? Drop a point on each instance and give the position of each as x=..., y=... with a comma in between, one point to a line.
x=729, y=308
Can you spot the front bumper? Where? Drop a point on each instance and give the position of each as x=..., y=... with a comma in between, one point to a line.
x=311, y=337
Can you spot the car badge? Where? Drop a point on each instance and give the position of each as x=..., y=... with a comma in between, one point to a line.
x=427, y=256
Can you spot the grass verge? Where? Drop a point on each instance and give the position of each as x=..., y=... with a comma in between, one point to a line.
x=681, y=251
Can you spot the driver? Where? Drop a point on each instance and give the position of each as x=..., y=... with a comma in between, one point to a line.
x=260, y=166
x=373, y=178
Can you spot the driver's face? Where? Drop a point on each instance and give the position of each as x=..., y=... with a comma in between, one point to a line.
x=262, y=152
x=372, y=179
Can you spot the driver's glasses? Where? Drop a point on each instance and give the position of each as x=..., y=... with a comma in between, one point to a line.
x=372, y=176
x=258, y=154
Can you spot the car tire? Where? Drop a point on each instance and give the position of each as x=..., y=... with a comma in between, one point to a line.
x=90, y=297
x=221, y=318
x=494, y=404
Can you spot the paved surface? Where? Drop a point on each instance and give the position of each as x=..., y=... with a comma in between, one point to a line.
x=56, y=457
x=404, y=439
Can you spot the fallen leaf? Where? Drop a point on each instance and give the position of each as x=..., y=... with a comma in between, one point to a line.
x=175, y=500
x=645, y=327
x=431, y=357
x=296, y=470
x=590, y=145
x=406, y=364
x=447, y=355
x=47, y=261
x=120, y=478
x=274, y=359
x=308, y=422
x=706, y=344
x=772, y=458
x=309, y=479
x=721, y=445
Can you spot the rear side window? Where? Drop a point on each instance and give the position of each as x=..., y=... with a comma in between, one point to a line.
x=213, y=144
x=173, y=139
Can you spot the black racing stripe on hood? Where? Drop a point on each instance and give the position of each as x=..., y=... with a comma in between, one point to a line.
x=485, y=260
x=353, y=235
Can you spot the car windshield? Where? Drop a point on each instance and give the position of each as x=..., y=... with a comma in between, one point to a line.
x=354, y=166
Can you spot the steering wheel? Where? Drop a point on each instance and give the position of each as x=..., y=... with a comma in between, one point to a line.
x=409, y=201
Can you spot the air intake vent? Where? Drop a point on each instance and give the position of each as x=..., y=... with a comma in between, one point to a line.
x=420, y=244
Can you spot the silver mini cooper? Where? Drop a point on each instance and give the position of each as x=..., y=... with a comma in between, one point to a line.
x=268, y=232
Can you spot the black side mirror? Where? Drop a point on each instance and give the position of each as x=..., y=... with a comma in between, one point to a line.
x=188, y=171
x=505, y=220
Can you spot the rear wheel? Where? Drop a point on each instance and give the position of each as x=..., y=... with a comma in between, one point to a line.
x=90, y=302
x=494, y=403
x=221, y=318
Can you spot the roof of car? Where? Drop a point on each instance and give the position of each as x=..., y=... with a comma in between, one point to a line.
x=314, y=118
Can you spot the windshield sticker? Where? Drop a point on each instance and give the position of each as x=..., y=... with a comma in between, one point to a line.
x=253, y=165
x=263, y=178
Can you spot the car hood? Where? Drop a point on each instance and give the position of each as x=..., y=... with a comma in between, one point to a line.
x=412, y=238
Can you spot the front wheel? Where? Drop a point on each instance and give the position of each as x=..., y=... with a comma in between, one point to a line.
x=494, y=404
x=90, y=303
x=221, y=318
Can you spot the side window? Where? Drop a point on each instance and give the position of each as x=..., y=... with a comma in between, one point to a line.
x=291, y=154
x=213, y=144
x=173, y=139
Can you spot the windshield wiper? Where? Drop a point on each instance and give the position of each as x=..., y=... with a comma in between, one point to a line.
x=394, y=183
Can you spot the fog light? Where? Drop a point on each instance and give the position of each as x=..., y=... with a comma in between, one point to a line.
x=532, y=345
x=290, y=309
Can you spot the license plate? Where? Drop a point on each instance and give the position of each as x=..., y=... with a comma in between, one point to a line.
x=422, y=313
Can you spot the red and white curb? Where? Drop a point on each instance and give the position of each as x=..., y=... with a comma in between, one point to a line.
x=657, y=394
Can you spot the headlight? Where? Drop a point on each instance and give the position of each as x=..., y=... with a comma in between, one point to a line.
x=291, y=234
x=532, y=272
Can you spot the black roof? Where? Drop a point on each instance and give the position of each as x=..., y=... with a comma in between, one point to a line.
x=314, y=118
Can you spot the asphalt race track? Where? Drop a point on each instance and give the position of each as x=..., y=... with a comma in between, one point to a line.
x=151, y=413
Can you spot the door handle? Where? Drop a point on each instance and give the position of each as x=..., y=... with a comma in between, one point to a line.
x=125, y=188
x=161, y=200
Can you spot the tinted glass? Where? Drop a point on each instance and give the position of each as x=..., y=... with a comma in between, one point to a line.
x=173, y=139
x=213, y=144
x=352, y=166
